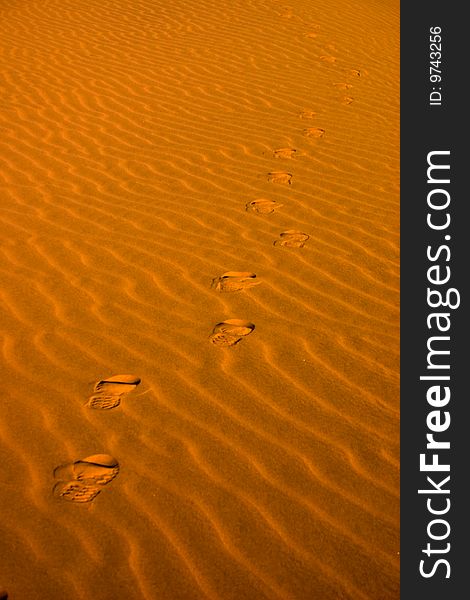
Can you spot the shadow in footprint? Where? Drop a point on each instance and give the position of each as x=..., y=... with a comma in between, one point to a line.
x=234, y=281
x=292, y=239
x=82, y=480
x=231, y=332
x=314, y=132
x=108, y=392
x=263, y=207
x=280, y=177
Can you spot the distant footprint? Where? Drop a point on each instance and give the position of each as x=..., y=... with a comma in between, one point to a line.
x=311, y=35
x=328, y=59
x=284, y=153
x=83, y=480
x=108, y=391
x=307, y=114
x=234, y=281
x=264, y=207
x=280, y=177
x=347, y=100
x=230, y=332
x=314, y=132
x=343, y=86
x=358, y=72
x=292, y=239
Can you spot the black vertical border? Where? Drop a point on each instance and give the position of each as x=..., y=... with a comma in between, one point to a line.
x=426, y=128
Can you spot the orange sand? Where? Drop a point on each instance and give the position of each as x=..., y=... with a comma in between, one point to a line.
x=137, y=138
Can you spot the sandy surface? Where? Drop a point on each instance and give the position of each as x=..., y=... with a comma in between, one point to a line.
x=251, y=436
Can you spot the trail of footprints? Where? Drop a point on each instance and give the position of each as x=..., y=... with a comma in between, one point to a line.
x=81, y=481
x=232, y=331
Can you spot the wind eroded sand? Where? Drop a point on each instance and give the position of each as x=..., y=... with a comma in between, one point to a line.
x=149, y=148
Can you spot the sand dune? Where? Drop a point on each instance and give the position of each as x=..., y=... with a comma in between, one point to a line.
x=158, y=162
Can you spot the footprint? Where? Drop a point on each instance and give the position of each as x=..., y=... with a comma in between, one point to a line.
x=307, y=114
x=83, y=480
x=264, y=207
x=343, y=86
x=234, y=281
x=315, y=132
x=328, y=59
x=347, y=100
x=108, y=391
x=292, y=239
x=280, y=177
x=311, y=35
x=284, y=153
x=230, y=332
x=358, y=73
